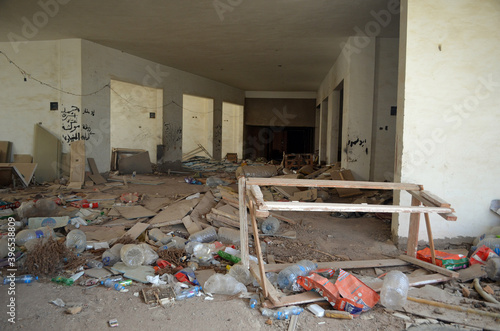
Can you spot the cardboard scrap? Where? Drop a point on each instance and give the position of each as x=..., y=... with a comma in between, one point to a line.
x=308, y=195
x=191, y=226
x=77, y=171
x=101, y=233
x=138, y=274
x=175, y=212
x=139, y=163
x=52, y=222
x=24, y=171
x=134, y=212
x=345, y=175
x=136, y=230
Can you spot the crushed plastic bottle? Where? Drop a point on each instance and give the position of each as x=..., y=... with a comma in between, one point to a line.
x=76, y=239
x=150, y=256
x=20, y=279
x=24, y=236
x=95, y=264
x=229, y=257
x=63, y=280
x=394, y=290
x=224, y=284
x=206, y=235
x=132, y=255
x=270, y=225
x=282, y=313
x=254, y=301
x=114, y=285
x=203, y=251
x=241, y=274
x=188, y=293
x=288, y=276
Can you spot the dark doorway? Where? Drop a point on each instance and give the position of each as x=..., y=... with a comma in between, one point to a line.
x=341, y=114
x=271, y=142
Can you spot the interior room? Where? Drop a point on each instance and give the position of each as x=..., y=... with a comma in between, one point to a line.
x=342, y=120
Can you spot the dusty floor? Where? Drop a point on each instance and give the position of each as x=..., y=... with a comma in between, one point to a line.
x=317, y=233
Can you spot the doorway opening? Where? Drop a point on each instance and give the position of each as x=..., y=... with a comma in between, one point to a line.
x=197, y=125
x=136, y=117
x=232, y=129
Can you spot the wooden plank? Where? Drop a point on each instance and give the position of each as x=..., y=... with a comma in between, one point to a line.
x=136, y=230
x=23, y=158
x=97, y=179
x=258, y=197
x=242, y=199
x=412, y=245
x=345, y=175
x=332, y=183
x=429, y=266
x=430, y=238
x=47, y=153
x=330, y=207
x=346, y=265
x=435, y=199
x=167, y=223
x=226, y=215
x=273, y=295
x=317, y=173
x=286, y=191
x=191, y=226
x=447, y=216
x=278, y=216
x=77, y=167
x=308, y=195
x=258, y=248
x=222, y=219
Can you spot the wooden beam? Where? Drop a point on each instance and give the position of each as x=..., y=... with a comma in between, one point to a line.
x=242, y=189
x=429, y=237
x=429, y=266
x=412, y=245
x=345, y=207
x=273, y=294
x=258, y=197
x=435, y=199
x=447, y=216
x=344, y=264
x=258, y=249
x=331, y=183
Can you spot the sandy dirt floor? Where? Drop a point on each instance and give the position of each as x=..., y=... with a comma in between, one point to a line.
x=320, y=237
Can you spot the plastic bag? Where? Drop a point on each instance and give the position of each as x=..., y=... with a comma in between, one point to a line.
x=224, y=284
x=445, y=260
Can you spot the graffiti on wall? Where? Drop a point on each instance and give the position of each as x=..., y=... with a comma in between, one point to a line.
x=72, y=129
x=173, y=136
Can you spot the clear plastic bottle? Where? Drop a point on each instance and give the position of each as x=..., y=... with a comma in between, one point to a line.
x=177, y=242
x=493, y=268
x=282, y=313
x=254, y=301
x=270, y=225
x=150, y=256
x=132, y=255
x=112, y=255
x=20, y=279
x=203, y=251
x=45, y=232
x=288, y=276
x=205, y=236
x=111, y=284
x=229, y=236
x=76, y=239
x=188, y=293
x=394, y=290
x=94, y=264
x=24, y=236
x=241, y=274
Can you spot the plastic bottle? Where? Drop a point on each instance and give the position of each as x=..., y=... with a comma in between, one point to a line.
x=203, y=251
x=63, y=280
x=177, y=242
x=493, y=268
x=282, y=313
x=94, y=264
x=254, y=301
x=288, y=276
x=109, y=258
x=45, y=232
x=109, y=283
x=24, y=236
x=241, y=274
x=270, y=225
x=228, y=257
x=214, y=182
x=20, y=279
x=156, y=234
x=132, y=255
x=493, y=243
x=205, y=236
x=76, y=239
x=188, y=293
x=150, y=255
x=394, y=290
x=229, y=236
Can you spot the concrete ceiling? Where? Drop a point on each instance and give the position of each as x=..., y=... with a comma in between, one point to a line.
x=254, y=45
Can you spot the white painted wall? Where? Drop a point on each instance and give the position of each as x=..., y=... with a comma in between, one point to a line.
x=24, y=103
x=197, y=124
x=448, y=136
x=101, y=64
x=385, y=96
x=131, y=124
x=232, y=129
x=356, y=67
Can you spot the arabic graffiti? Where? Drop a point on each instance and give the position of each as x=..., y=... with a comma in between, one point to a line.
x=70, y=124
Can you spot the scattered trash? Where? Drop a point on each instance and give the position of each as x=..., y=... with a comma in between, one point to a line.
x=316, y=310
x=394, y=290
x=113, y=323
x=282, y=313
x=58, y=302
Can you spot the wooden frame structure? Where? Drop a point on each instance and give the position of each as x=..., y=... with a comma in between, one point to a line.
x=423, y=202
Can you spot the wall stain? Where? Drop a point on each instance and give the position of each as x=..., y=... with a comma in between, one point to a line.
x=172, y=136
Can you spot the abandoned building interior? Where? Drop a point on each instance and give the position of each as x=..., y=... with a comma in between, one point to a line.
x=250, y=165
